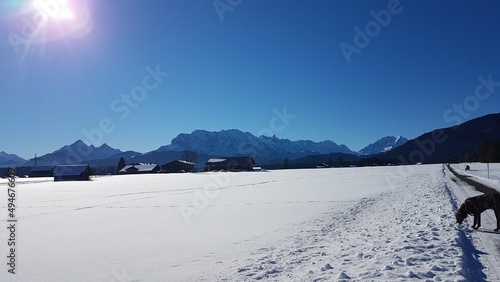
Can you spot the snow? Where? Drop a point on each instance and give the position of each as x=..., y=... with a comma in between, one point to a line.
x=383, y=145
x=216, y=160
x=480, y=172
x=346, y=224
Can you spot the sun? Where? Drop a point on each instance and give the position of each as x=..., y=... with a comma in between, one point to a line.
x=54, y=20
x=55, y=9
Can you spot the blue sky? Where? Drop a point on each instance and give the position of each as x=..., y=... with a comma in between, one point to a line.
x=258, y=66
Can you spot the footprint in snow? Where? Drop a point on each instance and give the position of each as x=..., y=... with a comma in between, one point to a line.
x=343, y=275
x=326, y=267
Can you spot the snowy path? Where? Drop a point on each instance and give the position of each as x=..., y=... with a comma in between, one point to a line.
x=484, y=238
x=398, y=235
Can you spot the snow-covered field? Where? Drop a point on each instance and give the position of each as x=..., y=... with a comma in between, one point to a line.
x=375, y=223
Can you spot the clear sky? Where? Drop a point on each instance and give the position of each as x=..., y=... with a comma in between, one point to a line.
x=135, y=73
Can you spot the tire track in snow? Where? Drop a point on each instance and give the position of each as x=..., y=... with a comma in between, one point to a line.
x=467, y=179
x=153, y=194
x=182, y=191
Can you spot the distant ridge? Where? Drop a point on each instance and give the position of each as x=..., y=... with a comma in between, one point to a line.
x=383, y=145
x=77, y=152
x=10, y=159
x=451, y=144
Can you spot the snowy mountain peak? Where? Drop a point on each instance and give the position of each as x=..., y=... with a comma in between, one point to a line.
x=234, y=142
x=383, y=145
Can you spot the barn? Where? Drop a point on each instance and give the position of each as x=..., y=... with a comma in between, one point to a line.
x=42, y=171
x=178, y=166
x=230, y=163
x=140, y=169
x=72, y=172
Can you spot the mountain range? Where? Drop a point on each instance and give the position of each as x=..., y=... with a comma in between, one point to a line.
x=441, y=145
x=206, y=144
x=237, y=143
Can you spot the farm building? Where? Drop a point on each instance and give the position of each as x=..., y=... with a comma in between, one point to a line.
x=140, y=168
x=178, y=166
x=42, y=171
x=72, y=172
x=230, y=163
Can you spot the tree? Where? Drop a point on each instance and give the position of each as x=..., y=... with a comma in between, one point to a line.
x=286, y=163
x=340, y=162
x=489, y=151
x=121, y=164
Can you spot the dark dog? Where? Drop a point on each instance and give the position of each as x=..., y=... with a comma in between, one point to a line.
x=476, y=205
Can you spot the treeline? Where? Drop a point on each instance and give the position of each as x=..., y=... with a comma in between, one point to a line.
x=24, y=171
x=489, y=152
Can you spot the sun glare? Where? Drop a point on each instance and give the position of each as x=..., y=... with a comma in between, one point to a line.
x=58, y=19
x=55, y=9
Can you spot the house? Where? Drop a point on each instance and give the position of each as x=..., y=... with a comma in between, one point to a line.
x=178, y=166
x=42, y=171
x=230, y=163
x=72, y=172
x=140, y=169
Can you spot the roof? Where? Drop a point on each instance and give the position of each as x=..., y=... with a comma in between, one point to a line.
x=239, y=160
x=139, y=167
x=42, y=168
x=180, y=161
x=215, y=160
x=62, y=170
